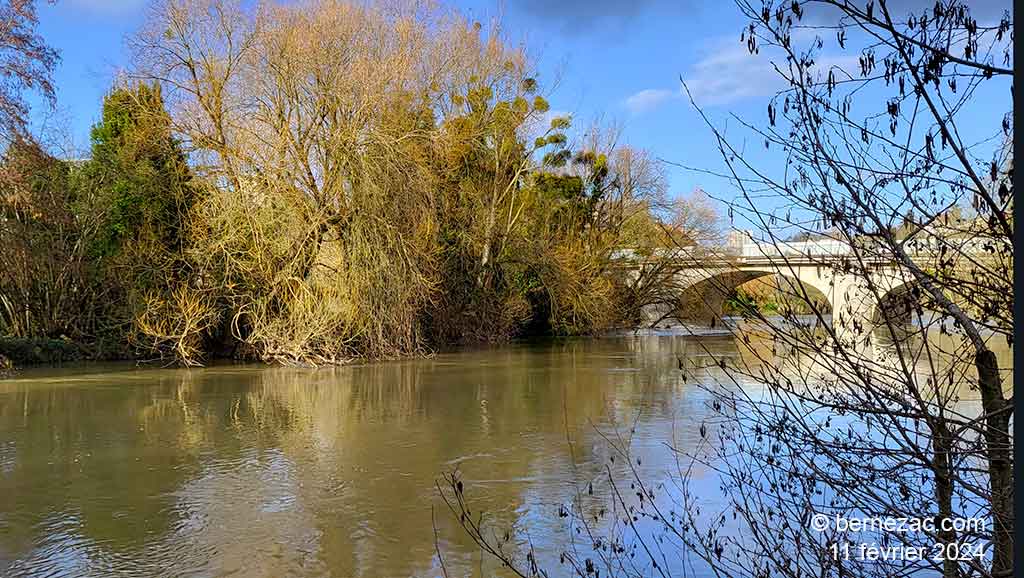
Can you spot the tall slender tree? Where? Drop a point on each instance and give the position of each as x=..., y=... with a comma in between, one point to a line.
x=26, y=63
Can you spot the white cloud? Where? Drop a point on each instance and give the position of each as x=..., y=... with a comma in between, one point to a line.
x=730, y=74
x=649, y=99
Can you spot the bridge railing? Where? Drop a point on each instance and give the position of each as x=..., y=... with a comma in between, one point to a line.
x=925, y=246
x=816, y=248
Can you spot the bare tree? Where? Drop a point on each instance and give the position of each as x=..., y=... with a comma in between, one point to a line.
x=863, y=177
x=26, y=63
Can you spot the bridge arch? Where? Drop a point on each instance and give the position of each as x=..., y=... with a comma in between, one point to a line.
x=703, y=299
x=896, y=305
x=902, y=303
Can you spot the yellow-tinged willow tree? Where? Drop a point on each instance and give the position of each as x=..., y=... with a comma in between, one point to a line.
x=353, y=152
x=586, y=206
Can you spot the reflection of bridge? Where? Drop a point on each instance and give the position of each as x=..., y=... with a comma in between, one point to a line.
x=817, y=270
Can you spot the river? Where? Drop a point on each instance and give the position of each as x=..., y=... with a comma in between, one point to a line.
x=247, y=470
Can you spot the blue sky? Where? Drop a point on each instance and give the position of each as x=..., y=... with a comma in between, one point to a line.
x=615, y=60
x=90, y=37
x=620, y=62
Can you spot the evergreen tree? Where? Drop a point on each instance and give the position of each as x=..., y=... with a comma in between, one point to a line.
x=138, y=176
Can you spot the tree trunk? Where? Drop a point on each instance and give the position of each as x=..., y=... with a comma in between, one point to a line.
x=941, y=446
x=1000, y=460
x=485, y=257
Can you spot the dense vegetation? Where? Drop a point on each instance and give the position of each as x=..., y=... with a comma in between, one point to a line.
x=318, y=182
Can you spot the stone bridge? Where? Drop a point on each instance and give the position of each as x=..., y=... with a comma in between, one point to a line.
x=819, y=270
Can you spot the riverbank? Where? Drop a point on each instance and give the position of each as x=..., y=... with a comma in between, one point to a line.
x=17, y=352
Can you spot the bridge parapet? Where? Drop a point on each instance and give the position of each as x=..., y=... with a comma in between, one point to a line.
x=815, y=248
x=824, y=248
x=816, y=251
